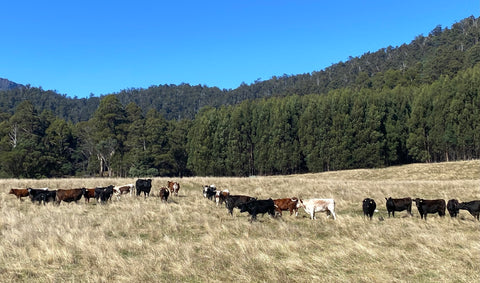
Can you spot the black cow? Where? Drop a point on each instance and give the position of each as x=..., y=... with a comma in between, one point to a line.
x=209, y=192
x=41, y=195
x=398, y=204
x=471, y=206
x=369, y=206
x=426, y=206
x=255, y=207
x=233, y=201
x=143, y=185
x=452, y=207
x=103, y=194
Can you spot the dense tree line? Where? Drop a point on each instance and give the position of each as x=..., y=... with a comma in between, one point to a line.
x=415, y=103
x=347, y=128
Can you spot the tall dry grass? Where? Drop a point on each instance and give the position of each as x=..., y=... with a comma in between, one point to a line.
x=189, y=239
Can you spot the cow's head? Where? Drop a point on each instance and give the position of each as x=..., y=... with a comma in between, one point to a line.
x=300, y=203
x=418, y=201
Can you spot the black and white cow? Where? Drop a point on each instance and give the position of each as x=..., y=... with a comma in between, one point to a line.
x=209, y=191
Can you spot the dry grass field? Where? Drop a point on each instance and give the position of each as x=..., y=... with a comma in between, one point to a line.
x=189, y=239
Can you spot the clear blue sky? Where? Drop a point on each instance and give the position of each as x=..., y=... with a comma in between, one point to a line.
x=102, y=47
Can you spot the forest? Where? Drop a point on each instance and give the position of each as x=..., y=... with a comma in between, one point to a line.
x=415, y=103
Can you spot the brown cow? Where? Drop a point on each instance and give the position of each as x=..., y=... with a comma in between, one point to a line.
x=70, y=195
x=89, y=193
x=19, y=193
x=426, y=206
x=174, y=187
x=289, y=204
x=398, y=204
x=163, y=194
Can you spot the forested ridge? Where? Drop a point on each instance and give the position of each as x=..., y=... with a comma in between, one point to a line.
x=415, y=103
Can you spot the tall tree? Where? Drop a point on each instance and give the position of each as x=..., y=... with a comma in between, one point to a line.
x=109, y=133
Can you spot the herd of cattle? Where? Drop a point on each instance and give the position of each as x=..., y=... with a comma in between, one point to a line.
x=275, y=207
x=252, y=205
x=101, y=194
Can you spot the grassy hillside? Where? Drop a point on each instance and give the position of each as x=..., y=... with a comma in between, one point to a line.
x=190, y=239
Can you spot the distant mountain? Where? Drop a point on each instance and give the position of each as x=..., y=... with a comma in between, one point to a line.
x=8, y=85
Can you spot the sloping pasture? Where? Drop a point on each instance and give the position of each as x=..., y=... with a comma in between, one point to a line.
x=190, y=239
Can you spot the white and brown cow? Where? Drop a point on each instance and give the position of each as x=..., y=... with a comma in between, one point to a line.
x=123, y=190
x=174, y=187
x=311, y=206
x=221, y=196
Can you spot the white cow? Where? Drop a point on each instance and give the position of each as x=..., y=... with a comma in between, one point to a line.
x=318, y=205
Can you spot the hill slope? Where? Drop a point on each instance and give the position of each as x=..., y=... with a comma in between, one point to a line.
x=444, y=52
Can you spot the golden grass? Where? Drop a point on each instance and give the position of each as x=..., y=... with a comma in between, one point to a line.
x=189, y=239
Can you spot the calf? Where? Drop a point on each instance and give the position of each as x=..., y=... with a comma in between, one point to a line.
x=311, y=206
x=174, y=187
x=289, y=204
x=70, y=195
x=143, y=185
x=426, y=206
x=19, y=193
x=221, y=196
x=452, y=207
x=472, y=206
x=209, y=192
x=236, y=201
x=369, y=206
x=255, y=207
x=163, y=194
x=399, y=204
x=123, y=190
